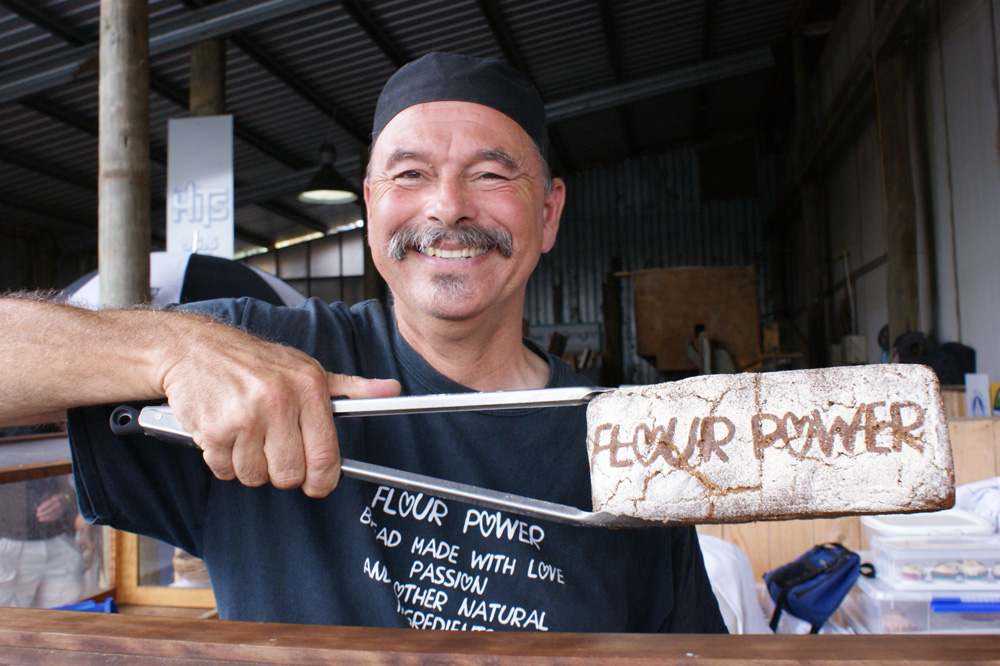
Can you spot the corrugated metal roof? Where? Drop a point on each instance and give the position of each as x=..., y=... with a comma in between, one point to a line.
x=294, y=80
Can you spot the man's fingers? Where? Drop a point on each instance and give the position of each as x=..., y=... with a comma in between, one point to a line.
x=249, y=461
x=360, y=387
x=322, y=453
x=283, y=450
x=217, y=453
x=283, y=436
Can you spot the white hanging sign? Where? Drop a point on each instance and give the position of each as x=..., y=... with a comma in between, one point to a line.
x=200, y=185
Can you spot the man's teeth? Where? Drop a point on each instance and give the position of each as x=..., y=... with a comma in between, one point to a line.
x=464, y=253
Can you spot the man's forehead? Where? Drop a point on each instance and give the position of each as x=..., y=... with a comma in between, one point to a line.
x=413, y=130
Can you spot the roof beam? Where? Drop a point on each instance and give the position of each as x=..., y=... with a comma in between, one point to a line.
x=286, y=76
x=503, y=36
x=375, y=32
x=306, y=92
x=610, y=29
x=254, y=239
x=79, y=122
x=162, y=88
x=682, y=78
x=180, y=97
x=216, y=20
x=31, y=164
x=48, y=211
x=31, y=13
x=290, y=213
x=240, y=131
x=90, y=126
x=285, y=185
x=707, y=45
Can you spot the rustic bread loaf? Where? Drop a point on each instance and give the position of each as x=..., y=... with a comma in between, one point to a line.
x=768, y=446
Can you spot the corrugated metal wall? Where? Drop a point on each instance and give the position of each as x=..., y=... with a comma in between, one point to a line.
x=647, y=213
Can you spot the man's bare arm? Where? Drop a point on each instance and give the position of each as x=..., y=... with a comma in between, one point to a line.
x=53, y=357
x=260, y=411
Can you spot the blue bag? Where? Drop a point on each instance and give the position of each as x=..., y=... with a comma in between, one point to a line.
x=812, y=586
x=109, y=605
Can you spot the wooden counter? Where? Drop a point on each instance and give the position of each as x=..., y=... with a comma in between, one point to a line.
x=61, y=637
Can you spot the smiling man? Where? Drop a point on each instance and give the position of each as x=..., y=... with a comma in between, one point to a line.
x=461, y=206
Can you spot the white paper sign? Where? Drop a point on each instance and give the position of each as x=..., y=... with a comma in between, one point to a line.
x=977, y=395
x=200, y=185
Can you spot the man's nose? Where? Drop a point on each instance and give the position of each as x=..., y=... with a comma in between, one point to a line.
x=450, y=202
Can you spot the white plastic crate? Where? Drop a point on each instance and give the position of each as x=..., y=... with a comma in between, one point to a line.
x=877, y=608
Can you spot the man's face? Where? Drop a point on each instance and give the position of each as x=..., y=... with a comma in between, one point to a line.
x=457, y=210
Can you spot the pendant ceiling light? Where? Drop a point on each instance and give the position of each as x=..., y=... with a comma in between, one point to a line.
x=327, y=186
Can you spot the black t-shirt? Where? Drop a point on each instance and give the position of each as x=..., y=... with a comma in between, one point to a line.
x=372, y=555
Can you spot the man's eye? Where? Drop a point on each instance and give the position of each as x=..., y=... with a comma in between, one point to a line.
x=408, y=175
x=489, y=175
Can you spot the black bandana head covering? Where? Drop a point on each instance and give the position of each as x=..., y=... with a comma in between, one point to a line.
x=447, y=77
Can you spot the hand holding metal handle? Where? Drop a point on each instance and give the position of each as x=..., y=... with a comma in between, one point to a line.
x=159, y=421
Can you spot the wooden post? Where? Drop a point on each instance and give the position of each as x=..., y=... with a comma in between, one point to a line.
x=123, y=189
x=612, y=372
x=900, y=201
x=207, y=96
x=812, y=256
x=814, y=261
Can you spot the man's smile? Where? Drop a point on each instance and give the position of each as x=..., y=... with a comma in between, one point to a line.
x=463, y=243
x=464, y=253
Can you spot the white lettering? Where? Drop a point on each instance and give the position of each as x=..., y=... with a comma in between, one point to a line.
x=503, y=528
x=439, y=550
x=428, y=597
x=366, y=517
x=376, y=571
x=390, y=538
x=408, y=505
x=543, y=571
x=493, y=562
x=443, y=576
x=513, y=616
x=384, y=493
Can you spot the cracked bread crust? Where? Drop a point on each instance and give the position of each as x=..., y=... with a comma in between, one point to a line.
x=771, y=446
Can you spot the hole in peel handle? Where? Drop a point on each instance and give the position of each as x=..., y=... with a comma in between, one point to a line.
x=125, y=421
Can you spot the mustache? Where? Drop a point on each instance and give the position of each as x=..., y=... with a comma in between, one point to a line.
x=468, y=236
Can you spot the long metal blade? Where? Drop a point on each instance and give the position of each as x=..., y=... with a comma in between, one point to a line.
x=460, y=402
x=159, y=421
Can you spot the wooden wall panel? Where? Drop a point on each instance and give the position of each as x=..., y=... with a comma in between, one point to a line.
x=973, y=445
x=755, y=540
x=789, y=539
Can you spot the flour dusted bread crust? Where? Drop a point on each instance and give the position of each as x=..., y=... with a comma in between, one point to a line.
x=768, y=446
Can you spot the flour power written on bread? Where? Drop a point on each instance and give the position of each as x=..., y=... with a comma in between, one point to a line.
x=770, y=446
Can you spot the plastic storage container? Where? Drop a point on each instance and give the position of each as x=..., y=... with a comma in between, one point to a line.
x=877, y=608
x=927, y=563
x=953, y=522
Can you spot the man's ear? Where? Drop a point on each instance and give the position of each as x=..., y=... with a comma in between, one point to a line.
x=552, y=212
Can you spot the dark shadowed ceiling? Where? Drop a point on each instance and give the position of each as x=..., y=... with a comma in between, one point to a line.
x=619, y=78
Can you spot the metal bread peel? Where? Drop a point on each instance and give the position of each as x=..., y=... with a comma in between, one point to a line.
x=160, y=422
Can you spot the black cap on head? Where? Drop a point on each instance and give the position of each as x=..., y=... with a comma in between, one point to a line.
x=447, y=77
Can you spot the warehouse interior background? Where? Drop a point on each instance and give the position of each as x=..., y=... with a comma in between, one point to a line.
x=849, y=152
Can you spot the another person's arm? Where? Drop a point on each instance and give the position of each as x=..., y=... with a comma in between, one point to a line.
x=260, y=411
